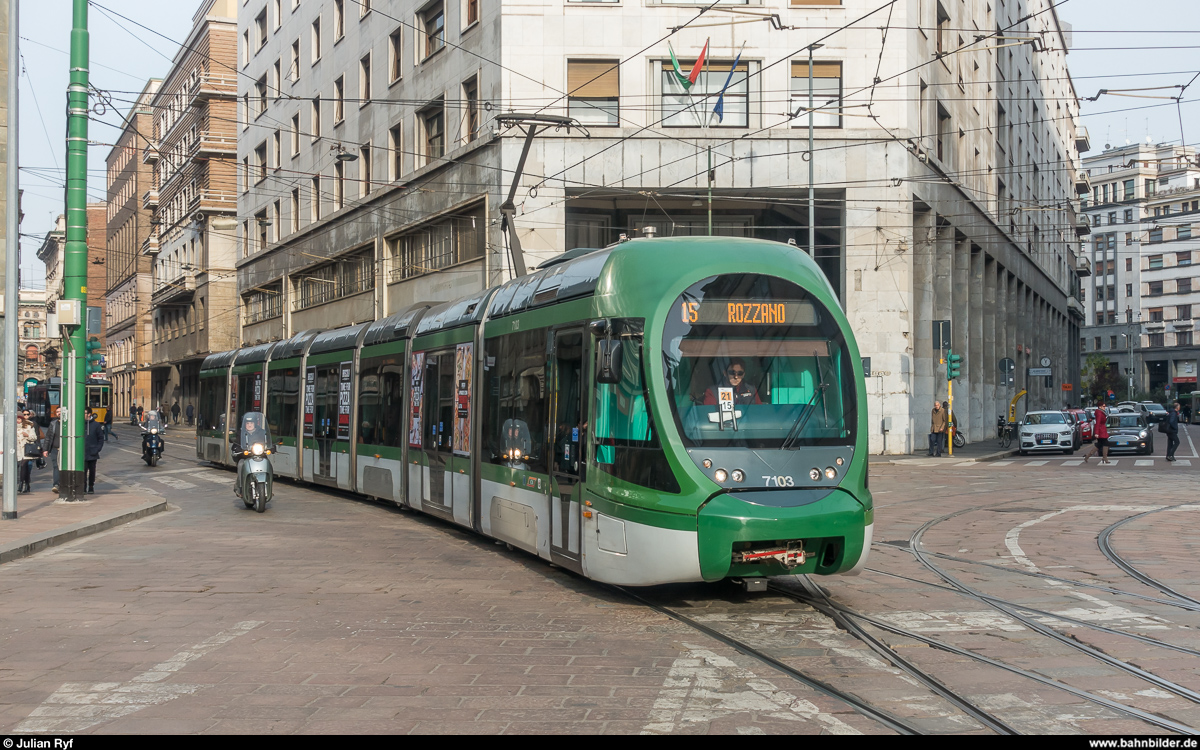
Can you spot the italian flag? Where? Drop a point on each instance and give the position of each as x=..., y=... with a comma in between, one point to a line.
x=687, y=80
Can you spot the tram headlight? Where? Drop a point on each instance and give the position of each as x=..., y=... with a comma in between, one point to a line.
x=720, y=475
x=707, y=463
x=739, y=475
x=840, y=461
x=830, y=472
x=257, y=449
x=815, y=475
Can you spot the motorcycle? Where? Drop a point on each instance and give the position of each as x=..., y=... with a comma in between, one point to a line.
x=152, y=439
x=255, y=476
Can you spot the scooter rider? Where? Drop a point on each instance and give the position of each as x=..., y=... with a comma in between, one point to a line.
x=254, y=433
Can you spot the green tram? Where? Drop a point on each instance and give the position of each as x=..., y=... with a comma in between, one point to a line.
x=661, y=410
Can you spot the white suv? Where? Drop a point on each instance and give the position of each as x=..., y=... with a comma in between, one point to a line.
x=1047, y=431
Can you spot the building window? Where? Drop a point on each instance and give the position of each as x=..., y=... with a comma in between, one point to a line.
x=316, y=198
x=296, y=134
x=339, y=20
x=1183, y=286
x=395, y=151
x=943, y=31
x=1184, y=232
x=1128, y=215
x=262, y=226
x=1097, y=343
x=364, y=81
x=339, y=185
x=472, y=13
x=1129, y=241
x=944, y=131
x=1129, y=290
x=275, y=149
x=1154, y=289
x=277, y=78
x=1156, y=314
x=827, y=94
x=350, y=275
x=433, y=125
x=1112, y=342
x=277, y=4
x=260, y=97
x=433, y=25
x=339, y=99
x=364, y=169
x=395, y=52
x=593, y=89
x=262, y=304
x=1183, y=312
x=438, y=245
x=260, y=162
x=260, y=30
x=296, y=210
x=1155, y=261
x=316, y=118
x=316, y=40
x=364, y=7
x=245, y=48
x=1183, y=338
x=470, y=110
x=694, y=107
x=1112, y=217
x=1156, y=339
x=294, y=67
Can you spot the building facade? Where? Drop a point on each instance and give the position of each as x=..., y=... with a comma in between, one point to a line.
x=51, y=253
x=193, y=204
x=372, y=166
x=33, y=336
x=129, y=281
x=1143, y=209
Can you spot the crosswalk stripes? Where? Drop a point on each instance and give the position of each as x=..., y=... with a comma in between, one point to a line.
x=1002, y=463
x=1144, y=462
x=1183, y=462
x=1037, y=463
x=1076, y=462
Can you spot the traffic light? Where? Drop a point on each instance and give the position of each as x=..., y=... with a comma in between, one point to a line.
x=953, y=365
x=95, y=359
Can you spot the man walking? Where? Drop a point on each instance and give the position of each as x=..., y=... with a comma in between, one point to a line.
x=108, y=422
x=1173, y=431
x=93, y=443
x=937, y=429
x=191, y=413
x=175, y=412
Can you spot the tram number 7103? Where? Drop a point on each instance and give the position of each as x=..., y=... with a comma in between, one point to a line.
x=781, y=481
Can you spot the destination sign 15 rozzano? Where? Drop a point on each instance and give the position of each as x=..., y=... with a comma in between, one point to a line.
x=748, y=312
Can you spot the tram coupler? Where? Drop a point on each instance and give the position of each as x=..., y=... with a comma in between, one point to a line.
x=790, y=556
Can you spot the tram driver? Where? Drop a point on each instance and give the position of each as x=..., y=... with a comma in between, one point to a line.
x=734, y=377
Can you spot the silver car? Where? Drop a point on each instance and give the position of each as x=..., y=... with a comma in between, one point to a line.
x=1046, y=431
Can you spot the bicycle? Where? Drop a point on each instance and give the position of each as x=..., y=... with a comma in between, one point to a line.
x=1006, y=430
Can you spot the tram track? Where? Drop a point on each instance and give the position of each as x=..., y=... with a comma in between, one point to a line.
x=1013, y=611
x=1104, y=542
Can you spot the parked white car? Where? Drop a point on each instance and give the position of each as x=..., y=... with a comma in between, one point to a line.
x=1047, y=431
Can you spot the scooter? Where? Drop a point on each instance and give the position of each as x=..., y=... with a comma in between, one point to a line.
x=152, y=441
x=255, y=477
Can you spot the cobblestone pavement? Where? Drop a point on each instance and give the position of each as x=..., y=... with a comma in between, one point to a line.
x=332, y=614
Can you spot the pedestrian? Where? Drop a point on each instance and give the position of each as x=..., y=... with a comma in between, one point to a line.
x=1101, y=434
x=108, y=421
x=51, y=446
x=93, y=443
x=191, y=413
x=175, y=412
x=139, y=414
x=1173, y=430
x=133, y=413
x=29, y=448
x=937, y=429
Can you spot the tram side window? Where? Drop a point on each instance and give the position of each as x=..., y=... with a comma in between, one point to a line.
x=627, y=444
x=380, y=390
x=283, y=402
x=514, y=401
x=212, y=404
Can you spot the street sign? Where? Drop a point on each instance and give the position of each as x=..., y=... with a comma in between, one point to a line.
x=866, y=367
x=1035, y=371
x=1007, y=365
x=941, y=334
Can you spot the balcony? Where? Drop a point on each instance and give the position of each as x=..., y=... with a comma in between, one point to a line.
x=212, y=201
x=150, y=245
x=1082, y=229
x=1082, y=141
x=150, y=154
x=1074, y=306
x=206, y=87
x=1183, y=324
x=1083, y=185
x=1155, y=326
x=150, y=199
x=176, y=290
x=211, y=145
x=1083, y=267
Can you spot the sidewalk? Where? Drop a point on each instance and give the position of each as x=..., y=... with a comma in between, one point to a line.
x=45, y=521
x=983, y=450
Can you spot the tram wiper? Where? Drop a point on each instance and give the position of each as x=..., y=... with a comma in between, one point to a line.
x=797, y=428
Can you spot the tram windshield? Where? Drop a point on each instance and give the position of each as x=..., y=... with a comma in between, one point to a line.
x=754, y=361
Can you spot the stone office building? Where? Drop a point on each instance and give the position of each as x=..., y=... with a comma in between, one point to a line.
x=372, y=165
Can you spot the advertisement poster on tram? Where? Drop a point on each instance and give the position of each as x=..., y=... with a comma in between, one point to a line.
x=343, y=423
x=256, y=396
x=310, y=397
x=416, y=399
x=462, y=399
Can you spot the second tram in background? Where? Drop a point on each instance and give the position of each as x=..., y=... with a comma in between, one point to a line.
x=661, y=410
x=45, y=398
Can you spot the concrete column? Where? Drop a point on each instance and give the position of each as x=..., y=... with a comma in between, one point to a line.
x=977, y=364
x=943, y=299
x=960, y=314
x=1000, y=327
x=923, y=360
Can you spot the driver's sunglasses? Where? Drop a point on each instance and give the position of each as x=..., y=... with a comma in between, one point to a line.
x=736, y=373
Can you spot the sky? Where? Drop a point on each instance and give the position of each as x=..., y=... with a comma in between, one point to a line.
x=1113, y=48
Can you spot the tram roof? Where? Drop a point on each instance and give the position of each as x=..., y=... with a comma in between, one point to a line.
x=553, y=282
x=294, y=347
x=394, y=327
x=253, y=354
x=453, y=314
x=337, y=340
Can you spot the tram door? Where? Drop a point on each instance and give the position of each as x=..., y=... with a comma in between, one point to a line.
x=568, y=430
x=439, y=425
x=325, y=410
